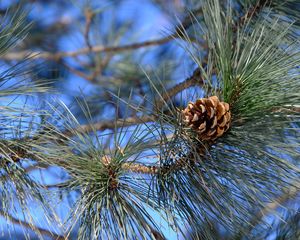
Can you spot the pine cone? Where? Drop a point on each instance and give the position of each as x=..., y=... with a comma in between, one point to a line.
x=209, y=117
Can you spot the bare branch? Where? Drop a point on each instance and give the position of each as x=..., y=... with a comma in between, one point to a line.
x=96, y=49
x=88, y=20
x=195, y=79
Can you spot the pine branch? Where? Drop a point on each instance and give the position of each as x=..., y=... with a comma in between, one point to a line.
x=88, y=21
x=109, y=124
x=39, y=230
x=250, y=13
x=194, y=80
x=95, y=49
x=99, y=48
x=192, y=181
x=289, y=194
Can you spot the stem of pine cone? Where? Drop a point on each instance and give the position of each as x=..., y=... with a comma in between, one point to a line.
x=179, y=164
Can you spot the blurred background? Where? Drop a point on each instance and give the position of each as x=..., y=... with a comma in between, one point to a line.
x=72, y=26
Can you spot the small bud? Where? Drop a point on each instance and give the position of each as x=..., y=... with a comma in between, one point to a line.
x=106, y=160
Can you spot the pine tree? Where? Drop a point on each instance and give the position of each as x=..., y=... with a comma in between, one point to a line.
x=212, y=156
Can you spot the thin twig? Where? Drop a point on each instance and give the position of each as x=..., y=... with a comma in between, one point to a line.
x=99, y=48
x=109, y=124
x=78, y=73
x=88, y=20
x=96, y=49
x=195, y=79
x=272, y=206
x=31, y=226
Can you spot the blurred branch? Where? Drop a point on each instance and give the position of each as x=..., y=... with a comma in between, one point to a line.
x=195, y=79
x=37, y=166
x=88, y=20
x=272, y=206
x=88, y=77
x=109, y=124
x=31, y=226
x=96, y=49
x=99, y=48
x=252, y=11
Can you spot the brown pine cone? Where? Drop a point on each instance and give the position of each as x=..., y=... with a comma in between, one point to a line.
x=209, y=117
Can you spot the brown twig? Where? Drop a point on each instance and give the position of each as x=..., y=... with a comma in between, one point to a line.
x=195, y=79
x=253, y=11
x=140, y=168
x=272, y=206
x=77, y=72
x=99, y=48
x=88, y=20
x=109, y=124
x=96, y=49
x=32, y=227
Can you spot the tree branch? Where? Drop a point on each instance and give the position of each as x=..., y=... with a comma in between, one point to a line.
x=252, y=11
x=110, y=124
x=32, y=227
x=195, y=79
x=272, y=206
x=88, y=20
x=96, y=49
x=99, y=48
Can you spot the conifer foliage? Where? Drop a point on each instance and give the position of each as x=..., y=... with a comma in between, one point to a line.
x=214, y=156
